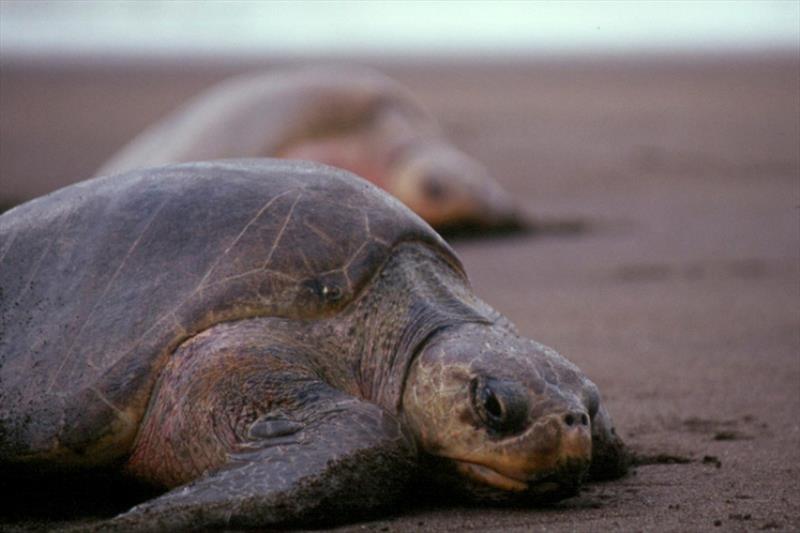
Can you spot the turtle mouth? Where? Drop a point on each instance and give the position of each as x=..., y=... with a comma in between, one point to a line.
x=490, y=476
x=552, y=485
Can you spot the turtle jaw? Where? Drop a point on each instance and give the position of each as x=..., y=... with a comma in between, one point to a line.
x=554, y=479
x=482, y=483
x=546, y=463
x=489, y=476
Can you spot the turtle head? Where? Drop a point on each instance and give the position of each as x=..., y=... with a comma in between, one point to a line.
x=505, y=418
x=450, y=189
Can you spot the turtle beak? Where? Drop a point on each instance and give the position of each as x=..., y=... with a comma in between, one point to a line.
x=557, y=449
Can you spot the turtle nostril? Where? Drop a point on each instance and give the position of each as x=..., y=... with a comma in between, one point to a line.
x=576, y=419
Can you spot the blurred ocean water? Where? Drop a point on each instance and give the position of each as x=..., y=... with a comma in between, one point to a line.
x=432, y=28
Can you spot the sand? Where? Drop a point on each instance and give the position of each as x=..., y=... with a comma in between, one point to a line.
x=680, y=298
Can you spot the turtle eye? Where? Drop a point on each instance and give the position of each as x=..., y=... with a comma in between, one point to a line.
x=499, y=404
x=492, y=406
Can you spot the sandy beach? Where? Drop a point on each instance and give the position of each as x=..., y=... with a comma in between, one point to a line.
x=676, y=288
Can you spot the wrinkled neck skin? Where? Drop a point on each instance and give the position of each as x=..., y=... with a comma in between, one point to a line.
x=496, y=416
x=223, y=379
x=367, y=350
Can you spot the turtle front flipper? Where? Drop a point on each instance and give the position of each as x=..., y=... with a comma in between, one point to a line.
x=277, y=444
x=351, y=463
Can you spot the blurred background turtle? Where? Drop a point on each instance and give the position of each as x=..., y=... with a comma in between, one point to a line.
x=349, y=117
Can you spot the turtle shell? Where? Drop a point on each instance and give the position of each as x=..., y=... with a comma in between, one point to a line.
x=101, y=281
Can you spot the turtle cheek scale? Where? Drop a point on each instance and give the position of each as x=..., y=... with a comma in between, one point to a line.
x=543, y=456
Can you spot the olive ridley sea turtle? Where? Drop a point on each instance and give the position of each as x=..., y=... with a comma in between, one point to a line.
x=271, y=342
x=349, y=117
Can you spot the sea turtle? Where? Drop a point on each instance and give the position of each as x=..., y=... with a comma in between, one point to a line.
x=350, y=117
x=274, y=341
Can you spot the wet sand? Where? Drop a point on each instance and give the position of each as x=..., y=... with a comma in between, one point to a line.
x=680, y=298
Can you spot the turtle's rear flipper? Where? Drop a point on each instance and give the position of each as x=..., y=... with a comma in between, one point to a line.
x=351, y=461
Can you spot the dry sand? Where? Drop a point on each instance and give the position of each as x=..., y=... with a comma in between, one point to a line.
x=681, y=299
